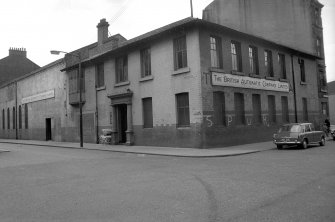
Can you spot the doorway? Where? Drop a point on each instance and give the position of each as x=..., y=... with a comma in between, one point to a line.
x=48, y=129
x=122, y=122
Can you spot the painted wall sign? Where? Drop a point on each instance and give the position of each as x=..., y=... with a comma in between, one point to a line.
x=221, y=79
x=37, y=97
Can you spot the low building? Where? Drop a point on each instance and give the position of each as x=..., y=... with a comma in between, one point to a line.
x=192, y=83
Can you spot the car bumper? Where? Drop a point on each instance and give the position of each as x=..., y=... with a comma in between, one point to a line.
x=287, y=142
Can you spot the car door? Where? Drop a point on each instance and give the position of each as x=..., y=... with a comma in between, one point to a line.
x=314, y=135
x=308, y=133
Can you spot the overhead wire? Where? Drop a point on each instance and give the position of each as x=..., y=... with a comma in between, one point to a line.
x=117, y=15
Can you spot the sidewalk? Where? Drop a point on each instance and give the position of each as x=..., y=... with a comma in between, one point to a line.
x=153, y=150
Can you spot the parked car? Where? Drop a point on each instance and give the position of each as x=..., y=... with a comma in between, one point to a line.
x=299, y=134
x=332, y=131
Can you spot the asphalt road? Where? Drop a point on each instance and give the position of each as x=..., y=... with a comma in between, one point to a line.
x=39, y=184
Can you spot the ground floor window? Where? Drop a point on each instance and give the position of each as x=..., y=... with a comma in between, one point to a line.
x=183, y=113
x=219, y=108
x=147, y=112
x=257, y=108
x=26, y=116
x=272, y=109
x=239, y=108
x=324, y=107
x=284, y=108
x=304, y=109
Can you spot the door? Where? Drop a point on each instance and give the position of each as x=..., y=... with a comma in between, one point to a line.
x=48, y=129
x=122, y=122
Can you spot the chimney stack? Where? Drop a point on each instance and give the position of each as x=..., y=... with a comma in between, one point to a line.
x=17, y=52
x=102, y=31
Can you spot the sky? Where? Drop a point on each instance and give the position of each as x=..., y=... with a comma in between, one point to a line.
x=66, y=25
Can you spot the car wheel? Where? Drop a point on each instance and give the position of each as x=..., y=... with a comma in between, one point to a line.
x=304, y=144
x=279, y=147
x=323, y=141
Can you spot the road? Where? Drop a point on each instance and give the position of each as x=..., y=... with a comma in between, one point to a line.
x=39, y=184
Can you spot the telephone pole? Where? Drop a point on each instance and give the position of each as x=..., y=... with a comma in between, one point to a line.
x=191, y=8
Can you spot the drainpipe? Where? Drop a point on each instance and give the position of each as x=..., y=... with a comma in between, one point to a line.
x=294, y=92
x=96, y=115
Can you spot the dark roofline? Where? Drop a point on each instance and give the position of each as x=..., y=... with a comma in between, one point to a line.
x=184, y=23
x=32, y=73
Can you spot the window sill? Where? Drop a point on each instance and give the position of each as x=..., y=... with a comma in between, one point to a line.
x=237, y=73
x=122, y=84
x=303, y=83
x=183, y=127
x=255, y=75
x=213, y=69
x=101, y=88
x=269, y=77
x=283, y=80
x=181, y=71
x=147, y=78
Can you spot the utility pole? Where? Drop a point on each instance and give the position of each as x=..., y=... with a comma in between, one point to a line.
x=191, y=8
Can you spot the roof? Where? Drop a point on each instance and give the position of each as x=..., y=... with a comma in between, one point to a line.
x=331, y=88
x=179, y=25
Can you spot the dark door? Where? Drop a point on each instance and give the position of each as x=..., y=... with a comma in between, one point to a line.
x=122, y=123
x=48, y=129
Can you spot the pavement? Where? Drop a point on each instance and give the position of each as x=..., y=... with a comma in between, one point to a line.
x=154, y=150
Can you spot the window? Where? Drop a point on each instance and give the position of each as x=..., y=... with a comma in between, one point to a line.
x=268, y=63
x=282, y=66
x=304, y=109
x=74, y=86
x=302, y=70
x=272, y=109
x=239, y=108
x=8, y=119
x=236, y=56
x=318, y=46
x=100, y=75
x=20, y=117
x=183, y=113
x=253, y=60
x=216, y=52
x=26, y=115
x=284, y=108
x=121, y=69
x=145, y=62
x=219, y=108
x=147, y=113
x=14, y=117
x=256, y=108
x=180, y=53
x=3, y=119
x=324, y=107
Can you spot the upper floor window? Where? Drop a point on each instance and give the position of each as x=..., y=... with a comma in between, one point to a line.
x=121, y=69
x=236, y=57
x=317, y=16
x=268, y=63
x=180, y=53
x=216, y=52
x=318, y=47
x=100, y=75
x=145, y=62
x=253, y=60
x=302, y=70
x=74, y=83
x=282, y=66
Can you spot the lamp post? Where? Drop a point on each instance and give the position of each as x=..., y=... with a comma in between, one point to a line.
x=56, y=52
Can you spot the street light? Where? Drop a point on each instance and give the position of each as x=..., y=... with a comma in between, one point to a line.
x=56, y=52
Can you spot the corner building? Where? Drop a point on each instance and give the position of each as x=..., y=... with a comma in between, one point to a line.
x=192, y=83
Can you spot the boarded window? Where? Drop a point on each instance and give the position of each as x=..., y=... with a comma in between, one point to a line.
x=100, y=75
x=282, y=66
x=3, y=119
x=236, y=56
x=219, y=108
x=268, y=63
x=284, y=108
x=183, y=113
x=304, y=109
x=8, y=118
x=180, y=52
x=14, y=118
x=145, y=62
x=272, y=109
x=121, y=69
x=239, y=108
x=147, y=113
x=256, y=108
x=216, y=52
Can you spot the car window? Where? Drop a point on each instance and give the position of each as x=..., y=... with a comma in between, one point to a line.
x=290, y=128
x=307, y=128
x=312, y=127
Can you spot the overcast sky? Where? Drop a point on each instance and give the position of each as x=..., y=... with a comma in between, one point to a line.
x=43, y=25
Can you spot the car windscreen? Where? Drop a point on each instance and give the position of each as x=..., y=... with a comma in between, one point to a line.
x=290, y=128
